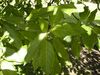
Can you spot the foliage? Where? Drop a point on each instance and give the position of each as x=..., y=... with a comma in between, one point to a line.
x=38, y=34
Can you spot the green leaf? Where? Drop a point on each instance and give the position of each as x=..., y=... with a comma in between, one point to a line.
x=70, y=19
x=48, y=59
x=78, y=30
x=45, y=57
x=29, y=35
x=11, y=10
x=14, y=19
x=9, y=72
x=32, y=26
x=43, y=25
x=60, y=49
x=44, y=12
x=9, y=50
x=89, y=40
x=96, y=29
x=88, y=29
x=36, y=58
x=14, y=35
x=68, y=9
x=33, y=15
x=85, y=14
x=1, y=73
x=67, y=29
x=75, y=45
x=56, y=16
x=67, y=12
x=68, y=6
x=92, y=16
x=62, y=30
x=34, y=45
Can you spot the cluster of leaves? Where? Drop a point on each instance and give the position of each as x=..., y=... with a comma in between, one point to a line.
x=42, y=36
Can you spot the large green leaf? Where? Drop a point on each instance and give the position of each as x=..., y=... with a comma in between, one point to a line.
x=67, y=29
x=43, y=55
x=48, y=59
x=62, y=30
x=60, y=49
x=32, y=49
